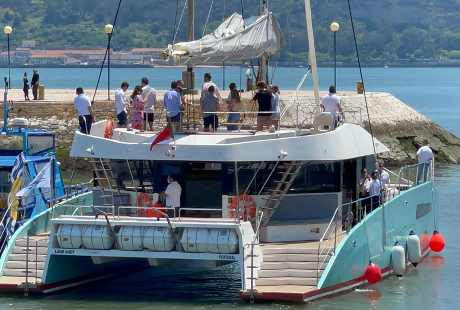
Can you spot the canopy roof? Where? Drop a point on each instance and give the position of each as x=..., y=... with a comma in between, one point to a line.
x=235, y=39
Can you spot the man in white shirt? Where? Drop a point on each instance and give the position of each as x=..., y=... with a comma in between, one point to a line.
x=82, y=104
x=331, y=103
x=384, y=176
x=173, y=192
x=375, y=189
x=425, y=156
x=149, y=95
x=207, y=82
x=121, y=103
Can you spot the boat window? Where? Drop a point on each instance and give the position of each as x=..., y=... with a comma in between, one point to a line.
x=10, y=145
x=5, y=180
x=317, y=178
x=40, y=144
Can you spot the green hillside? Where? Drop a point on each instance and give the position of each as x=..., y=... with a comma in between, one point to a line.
x=389, y=30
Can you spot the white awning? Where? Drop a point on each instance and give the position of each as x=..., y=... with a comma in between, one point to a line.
x=235, y=39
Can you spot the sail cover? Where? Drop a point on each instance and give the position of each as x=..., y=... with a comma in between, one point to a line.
x=235, y=39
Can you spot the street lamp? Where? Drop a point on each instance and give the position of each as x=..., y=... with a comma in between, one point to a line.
x=335, y=27
x=108, y=29
x=8, y=30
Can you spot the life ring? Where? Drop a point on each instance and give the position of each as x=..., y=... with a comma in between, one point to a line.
x=146, y=207
x=108, y=131
x=247, y=205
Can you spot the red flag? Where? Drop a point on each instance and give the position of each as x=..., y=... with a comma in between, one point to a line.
x=165, y=134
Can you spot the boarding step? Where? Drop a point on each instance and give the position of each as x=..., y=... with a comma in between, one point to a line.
x=303, y=281
x=295, y=258
x=22, y=272
x=289, y=265
x=293, y=289
x=19, y=281
x=22, y=257
x=41, y=243
x=32, y=250
x=283, y=250
x=281, y=273
x=22, y=265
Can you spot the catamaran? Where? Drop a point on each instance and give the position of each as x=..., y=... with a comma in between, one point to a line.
x=281, y=204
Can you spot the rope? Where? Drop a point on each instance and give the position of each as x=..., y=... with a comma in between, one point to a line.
x=361, y=75
x=107, y=49
x=207, y=18
x=242, y=9
x=175, y=21
x=180, y=22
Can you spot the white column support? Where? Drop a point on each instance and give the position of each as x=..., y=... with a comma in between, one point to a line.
x=312, y=51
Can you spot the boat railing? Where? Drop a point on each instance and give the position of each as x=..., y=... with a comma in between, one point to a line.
x=5, y=229
x=254, y=242
x=416, y=174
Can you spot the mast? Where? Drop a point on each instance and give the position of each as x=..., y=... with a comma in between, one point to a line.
x=312, y=52
x=188, y=76
x=262, y=74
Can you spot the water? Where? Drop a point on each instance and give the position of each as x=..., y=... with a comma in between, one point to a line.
x=433, y=285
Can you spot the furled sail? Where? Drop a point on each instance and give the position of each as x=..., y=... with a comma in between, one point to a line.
x=235, y=39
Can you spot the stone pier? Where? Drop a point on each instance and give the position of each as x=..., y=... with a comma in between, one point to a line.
x=392, y=121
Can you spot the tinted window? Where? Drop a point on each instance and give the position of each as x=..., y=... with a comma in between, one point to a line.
x=317, y=178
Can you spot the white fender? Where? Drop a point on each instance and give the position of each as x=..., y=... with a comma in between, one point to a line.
x=414, y=253
x=398, y=260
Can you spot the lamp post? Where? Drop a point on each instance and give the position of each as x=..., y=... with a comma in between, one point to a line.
x=335, y=27
x=8, y=30
x=108, y=29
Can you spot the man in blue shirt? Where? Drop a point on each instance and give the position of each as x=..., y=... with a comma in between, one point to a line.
x=172, y=104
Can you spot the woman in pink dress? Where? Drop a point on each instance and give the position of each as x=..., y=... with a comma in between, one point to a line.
x=137, y=109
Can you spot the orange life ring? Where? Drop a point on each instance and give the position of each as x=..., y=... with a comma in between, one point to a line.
x=108, y=131
x=247, y=205
x=146, y=207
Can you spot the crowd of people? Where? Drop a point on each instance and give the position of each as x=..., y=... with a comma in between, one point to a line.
x=137, y=110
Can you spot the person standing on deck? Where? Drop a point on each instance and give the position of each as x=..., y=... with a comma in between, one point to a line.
x=264, y=99
x=173, y=192
x=384, y=177
x=34, y=83
x=209, y=107
x=375, y=190
x=149, y=95
x=207, y=82
x=25, y=87
x=121, y=104
x=85, y=113
x=331, y=103
x=425, y=156
x=364, y=186
x=137, y=104
x=172, y=104
x=233, y=102
x=275, y=106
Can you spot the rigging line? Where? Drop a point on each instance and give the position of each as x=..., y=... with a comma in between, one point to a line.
x=175, y=21
x=242, y=10
x=207, y=18
x=180, y=22
x=115, y=19
x=361, y=75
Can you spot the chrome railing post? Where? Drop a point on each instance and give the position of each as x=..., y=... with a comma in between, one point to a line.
x=26, y=288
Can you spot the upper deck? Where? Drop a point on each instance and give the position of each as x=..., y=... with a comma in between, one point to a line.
x=345, y=142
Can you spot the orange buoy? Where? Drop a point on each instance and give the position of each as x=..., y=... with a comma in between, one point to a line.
x=373, y=273
x=437, y=242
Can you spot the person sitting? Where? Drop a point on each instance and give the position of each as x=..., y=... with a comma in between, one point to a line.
x=137, y=105
x=275, y=106
x=121, y=104
x=375, y=190
x=172, y=103
x=173, y=192
x=209, y=107
x=264, y=99
x=233, y=101
x=331, y=103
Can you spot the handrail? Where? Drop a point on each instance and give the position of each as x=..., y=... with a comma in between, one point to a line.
x=253, y=243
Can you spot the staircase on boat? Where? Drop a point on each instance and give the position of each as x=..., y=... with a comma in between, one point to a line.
x=289, y=267
x=24, y=266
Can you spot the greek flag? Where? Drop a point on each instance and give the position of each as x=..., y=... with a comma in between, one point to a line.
x=42, y=180
x=17, y=167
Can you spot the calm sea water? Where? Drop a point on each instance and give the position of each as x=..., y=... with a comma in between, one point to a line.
x=433, y=285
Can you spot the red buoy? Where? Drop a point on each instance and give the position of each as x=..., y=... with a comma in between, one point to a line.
x=437, y=242
x=373, y=273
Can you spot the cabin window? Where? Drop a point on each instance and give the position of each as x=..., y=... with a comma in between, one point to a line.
x=317, y=178
x=11, y=145
x=40, y=144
